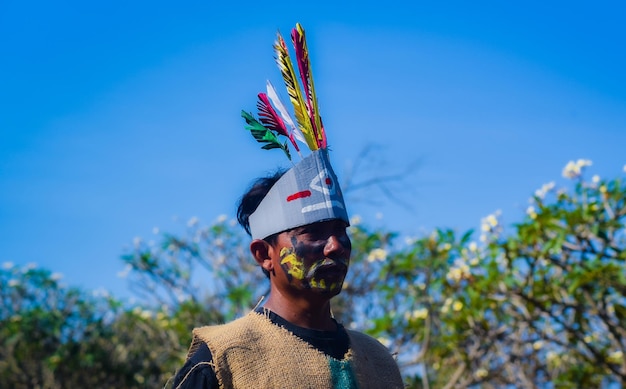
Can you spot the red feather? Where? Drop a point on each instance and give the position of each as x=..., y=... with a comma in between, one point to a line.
x=272, y=120
x=302, y=58
x=269, y=117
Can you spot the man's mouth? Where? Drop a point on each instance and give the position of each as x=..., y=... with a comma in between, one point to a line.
x=328, y=268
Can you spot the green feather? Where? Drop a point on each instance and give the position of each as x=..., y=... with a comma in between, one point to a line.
x=264, y=135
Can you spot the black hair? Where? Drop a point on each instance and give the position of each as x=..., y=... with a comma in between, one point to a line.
x=250, y=201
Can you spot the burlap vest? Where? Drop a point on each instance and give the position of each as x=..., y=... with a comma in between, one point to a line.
x=252, y=352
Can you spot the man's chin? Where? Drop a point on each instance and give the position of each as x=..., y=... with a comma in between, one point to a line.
x=327, y=287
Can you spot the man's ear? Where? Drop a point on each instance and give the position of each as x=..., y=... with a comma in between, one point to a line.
x=260, y=250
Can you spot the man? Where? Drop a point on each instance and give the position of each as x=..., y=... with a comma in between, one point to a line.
x=298, y=222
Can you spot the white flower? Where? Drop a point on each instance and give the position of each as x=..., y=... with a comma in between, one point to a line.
x=595, y=179
x=14, y=282
x=458, y=271
x=100, y=293
x=624, y=169
x=7, y=265
x=56, y=276
x=355, y=220
x=490, y=222
x=553, y=358
x=421, y=313
x=481, y=373
x=192, y=222
x=409, y=241
x=571, y=170
x=574, y=169
x=545, y=188
x=385, y=341
x=29, y=266
x=456, y=274
x=181, y=297
x=377, y=255
x=222, y=218
x=457, y=306
x=124, y=273
x=615, y=356
x=530, y=211
x=473, y=247
x=537, y=345
x=610, y=309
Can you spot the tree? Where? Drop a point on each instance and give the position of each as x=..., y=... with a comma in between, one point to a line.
x=209, y=267
x=539, y=303
x=47, y=330
x=54, y=336
x=543, y=303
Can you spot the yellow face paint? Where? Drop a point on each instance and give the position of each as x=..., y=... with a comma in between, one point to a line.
x=295, y=269
x=291, y=263
x=321, y=284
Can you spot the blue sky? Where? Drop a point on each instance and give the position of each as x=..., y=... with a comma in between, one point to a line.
x=118, y=117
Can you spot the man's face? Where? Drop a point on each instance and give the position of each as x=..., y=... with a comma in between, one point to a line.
x=315, y=257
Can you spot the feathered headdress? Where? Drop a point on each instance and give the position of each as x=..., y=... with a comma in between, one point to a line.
x=309, y=192
x=275, y=121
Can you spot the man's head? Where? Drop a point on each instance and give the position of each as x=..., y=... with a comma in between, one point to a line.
x=313, y=257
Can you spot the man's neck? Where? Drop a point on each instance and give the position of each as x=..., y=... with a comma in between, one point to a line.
x=302, y=312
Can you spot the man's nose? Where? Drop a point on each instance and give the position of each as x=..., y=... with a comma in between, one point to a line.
x=335, y=246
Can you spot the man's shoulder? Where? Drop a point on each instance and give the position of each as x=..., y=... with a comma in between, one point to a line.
x=234, y=329
x=365, y=340
x=363, y=346
x=369, y=355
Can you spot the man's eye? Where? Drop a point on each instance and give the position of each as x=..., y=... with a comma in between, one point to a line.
x=311, y=231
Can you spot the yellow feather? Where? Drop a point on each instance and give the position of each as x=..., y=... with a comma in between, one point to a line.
x=295, y=93
x=316, y=111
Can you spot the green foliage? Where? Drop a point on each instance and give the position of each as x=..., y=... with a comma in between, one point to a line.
x=52, y=336
x=541, y=303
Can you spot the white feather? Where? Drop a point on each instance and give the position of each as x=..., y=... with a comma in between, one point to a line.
x=280, y=107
